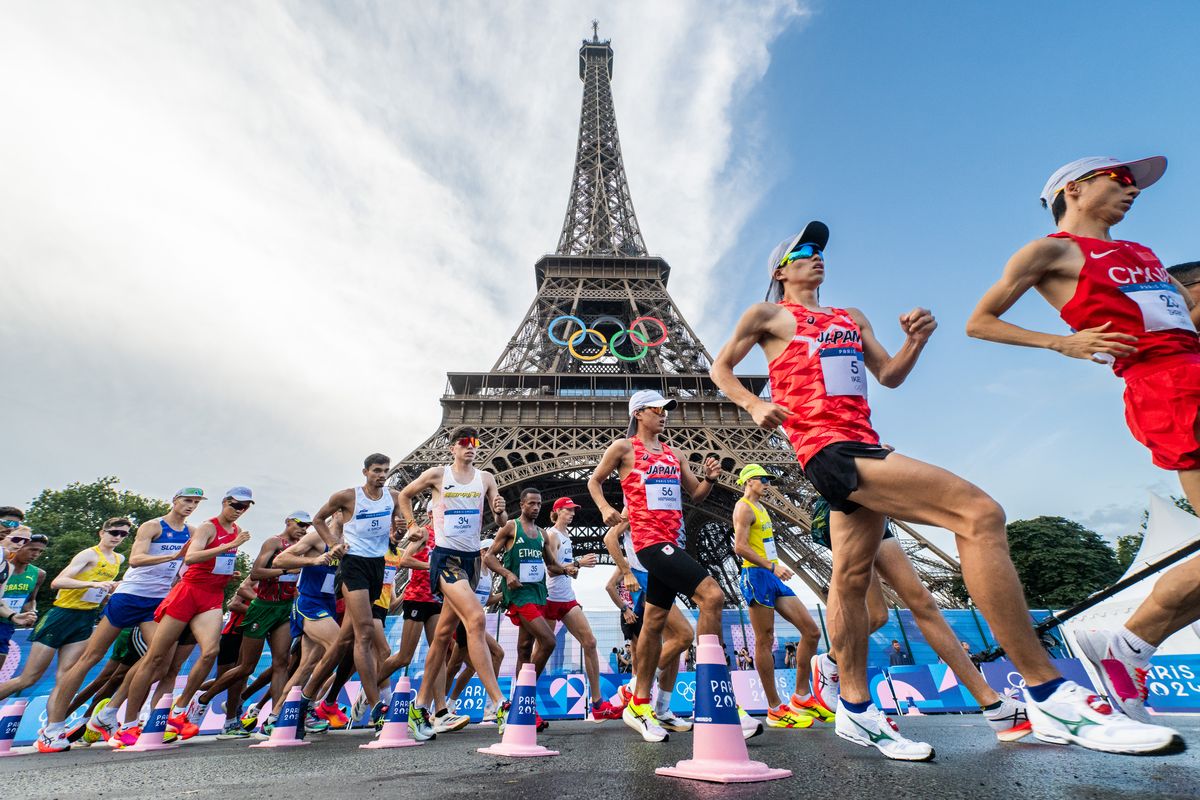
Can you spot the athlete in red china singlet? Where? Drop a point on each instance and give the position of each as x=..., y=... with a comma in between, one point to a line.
x=653, y=481
x=805, y=344
x=1126, y=310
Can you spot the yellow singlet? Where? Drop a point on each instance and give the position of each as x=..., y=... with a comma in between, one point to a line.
x=762, y=534
x=85, y=599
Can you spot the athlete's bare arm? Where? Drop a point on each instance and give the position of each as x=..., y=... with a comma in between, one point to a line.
x=696, y=488
x=612, y=543
x=309, y=551
x=550, y=556
x=198, y=549
x=428, y=481
x=342, y=501
x=763, y=325
x=611, y=589
x=82, y=561
x=139, y=554
x=262, y=569
x=491, y=559
x=412, y=543
x=240, y=602
x=918, y=325
x=618, y=457
x=1032, y=266
x=492, y=498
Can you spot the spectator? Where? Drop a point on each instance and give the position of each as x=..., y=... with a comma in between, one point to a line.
x=624, y=663
x=898, y=657
x=967, y=649
x=690, y=659
x=789, y=656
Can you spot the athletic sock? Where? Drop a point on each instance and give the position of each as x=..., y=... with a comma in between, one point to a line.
x=993, y=707
x=663, y=704
x=1128, y=646
x=832, y=660
x=856, y=708
x=55, y=730
x=176, y=710
x=385, y=696
x=442, y=713
x=640, y=701
x=1041, y=693
x=108, y=714
x=803, y=698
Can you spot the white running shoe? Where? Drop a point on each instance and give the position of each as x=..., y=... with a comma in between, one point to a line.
x=419, y=724
x=1010, y=722
x=641, y=718
x=751, y=727
x=1073, y=715
x=673, y=723
x=872, y=729
x=359, y=708
x=1124, y=683
x=196, y=711
x=489, y=713
x=825, y=685
x=450, y=722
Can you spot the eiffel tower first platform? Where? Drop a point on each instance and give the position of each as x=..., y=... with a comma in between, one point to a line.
x=602, y=326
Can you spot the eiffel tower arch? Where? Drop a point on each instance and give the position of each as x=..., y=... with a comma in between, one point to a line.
x=601, y=326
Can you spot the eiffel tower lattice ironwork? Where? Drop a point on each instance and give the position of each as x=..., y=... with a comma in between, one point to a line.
x=602, y=326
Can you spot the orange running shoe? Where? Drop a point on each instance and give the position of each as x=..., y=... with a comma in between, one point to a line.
x=810, y=708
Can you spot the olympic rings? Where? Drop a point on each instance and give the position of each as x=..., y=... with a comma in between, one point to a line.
x=606, y=346
x=579, y=334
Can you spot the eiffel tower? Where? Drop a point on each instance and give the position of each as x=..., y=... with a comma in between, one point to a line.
x=602, y=326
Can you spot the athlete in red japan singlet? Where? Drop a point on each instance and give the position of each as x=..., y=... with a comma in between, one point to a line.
x=864, y=483
x=1126, y=310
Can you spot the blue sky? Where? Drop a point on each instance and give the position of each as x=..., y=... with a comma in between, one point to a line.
x=923, y=137
x=244, y=244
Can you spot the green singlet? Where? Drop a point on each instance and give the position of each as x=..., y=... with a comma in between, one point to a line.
x=524, y=559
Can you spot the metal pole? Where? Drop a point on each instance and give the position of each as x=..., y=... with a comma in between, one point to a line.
x=821, y=620
x=978, y=626
x=904, y=636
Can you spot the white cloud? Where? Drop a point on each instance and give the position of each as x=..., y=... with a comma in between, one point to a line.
x=244, y=243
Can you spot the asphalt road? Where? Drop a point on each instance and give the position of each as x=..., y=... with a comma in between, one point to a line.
x=609, y=761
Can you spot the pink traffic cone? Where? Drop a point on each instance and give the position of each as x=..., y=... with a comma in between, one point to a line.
x=395, y=728
x=718, y=749
x=10, y=720
x=284, y=732
x=151, y=737
x=520, y=729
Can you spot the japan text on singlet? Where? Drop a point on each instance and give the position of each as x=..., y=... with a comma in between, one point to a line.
x=1124, y=283
x=458, y=517
x=653, y=496
x=822, y=378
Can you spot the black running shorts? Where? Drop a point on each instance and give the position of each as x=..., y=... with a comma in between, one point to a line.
x=419, y=611
x=834, y=475
x=671, y=571
x=362, y=572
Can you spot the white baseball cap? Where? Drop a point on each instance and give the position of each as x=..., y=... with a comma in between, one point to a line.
x=240, y=493
x=299, y=516
x=1146, y=171
x=646, y=398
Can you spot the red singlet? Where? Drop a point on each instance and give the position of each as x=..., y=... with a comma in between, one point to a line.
x=417, y=588
x=283, y=587
x=1124, y=283
x=214, y=573
x=821, y=377
x=653, y=496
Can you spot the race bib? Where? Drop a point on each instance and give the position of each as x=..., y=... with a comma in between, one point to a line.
x=172, y=567
x=844, y=371
x=16, y=603
x=223, y=564
x=1162, y=307
x=769, y=549
x=289, y=577
x=94, y=595
x=327, y=585
x=463, y=521
x=531, y=571
x=663, y=494
x=389, y=576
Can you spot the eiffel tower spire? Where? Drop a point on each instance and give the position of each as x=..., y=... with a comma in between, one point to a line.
x=602, y=326
x=600, y=218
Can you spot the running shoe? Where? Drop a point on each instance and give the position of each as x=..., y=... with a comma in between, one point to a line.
x=98, y=726
x=668, y=721
x=810, y=706
x=333, y=715
x=640, y=717
x=378, y=716
x=784, y=717
x=264, y=730
x=872, y=729
x=625, y=696
x=447, y=723
x=250, y=719
x=196, y=712
x=233, y=730
x=826, y=688
x=359, y=708
x=489, y=714
x=541, y=723
x=75, y=731
x=314, y=724
x=1010, y=721
x=604, y=710
x=1073, y=715
x=183, y=726
x=55, y=744
x=419, y=724
x=125, y=737
x=502, y=716
x=1124, y=682
x=751, y=727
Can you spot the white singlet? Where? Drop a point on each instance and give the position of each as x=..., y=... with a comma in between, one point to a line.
x=458, y=517
x=367, y=534
x=559, y=587
x=156, y=580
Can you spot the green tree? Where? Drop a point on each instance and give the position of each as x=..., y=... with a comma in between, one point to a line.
x=71, y=517
x=1060, y=562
